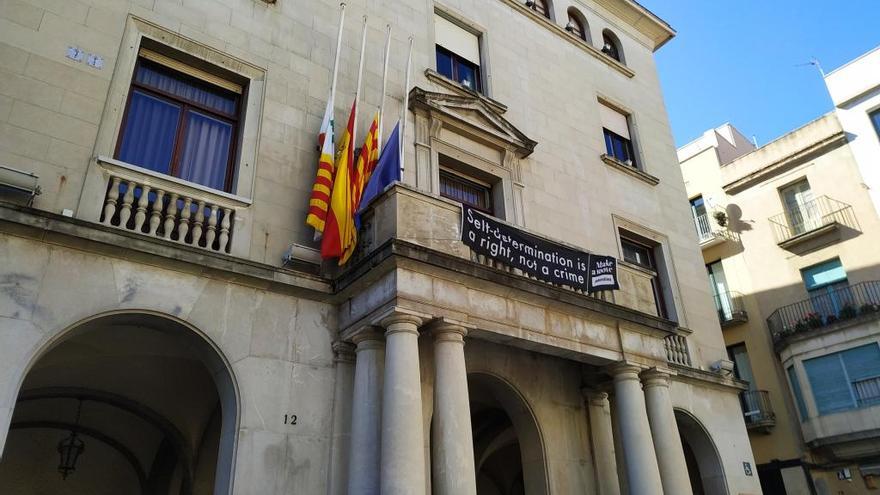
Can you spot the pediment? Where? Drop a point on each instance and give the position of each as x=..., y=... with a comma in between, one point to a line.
x=474, y=115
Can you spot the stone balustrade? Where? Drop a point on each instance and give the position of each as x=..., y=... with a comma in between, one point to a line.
x=141, y=201
x=677, y=351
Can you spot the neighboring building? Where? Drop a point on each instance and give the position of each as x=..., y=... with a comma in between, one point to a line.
x=153, y=340
x=789, y=238
x=855, y=91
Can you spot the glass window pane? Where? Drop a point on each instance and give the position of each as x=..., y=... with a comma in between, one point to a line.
x=467, y=75
x=148, y=136
x=828, y=382
x=823, y=274
x=205, y=150
x=173, y=83
x=798, y=394
x=444, y=63
x=463, y=191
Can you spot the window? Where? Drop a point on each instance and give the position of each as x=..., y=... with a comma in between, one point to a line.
x=618, y=143
x=466, y=191
x=798, y=394
x=845, y=380
x=180, y=121
x=801, y=210
x=611, y=46
x=641, y=253
x=576, y=25
x=827, y=285
x=540, y=6
x=875, y=119
x=458, y=53
x=701, y=219
x=720, y=291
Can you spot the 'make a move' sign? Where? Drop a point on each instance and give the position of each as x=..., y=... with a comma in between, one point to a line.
x=547, y=261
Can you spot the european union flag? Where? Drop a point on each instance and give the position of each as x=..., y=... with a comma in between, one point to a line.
x=387, y=171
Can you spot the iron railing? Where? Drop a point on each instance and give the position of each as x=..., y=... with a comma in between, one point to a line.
x=730, y=308
x=867, y=391
x=826, y=308
x=757, y=410
x=704, y=228
x=813, y=215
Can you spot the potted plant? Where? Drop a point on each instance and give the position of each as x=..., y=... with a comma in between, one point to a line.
x=720, y=218
x=868, y=308
x=847, y=311
x=814, y=320
x=833, y=319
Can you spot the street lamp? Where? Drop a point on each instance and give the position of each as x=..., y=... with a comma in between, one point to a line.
x=70, y=448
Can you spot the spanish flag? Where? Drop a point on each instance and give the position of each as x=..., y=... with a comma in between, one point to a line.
x=366, y=163
x=339, y=228
x=320, y=199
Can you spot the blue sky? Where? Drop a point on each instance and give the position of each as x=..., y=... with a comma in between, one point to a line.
x=738, y=61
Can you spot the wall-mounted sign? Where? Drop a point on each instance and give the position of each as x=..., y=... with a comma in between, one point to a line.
x=747, y=468
x=545, y=260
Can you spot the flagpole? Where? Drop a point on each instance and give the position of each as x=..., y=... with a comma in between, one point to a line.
x=357, y=93
x=384, y=87
x=336, y=56
x=402, y=136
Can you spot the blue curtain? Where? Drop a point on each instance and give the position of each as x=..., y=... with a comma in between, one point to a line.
x=205, y=150
x=183, y=88
x=148, y=139
x=828, y=381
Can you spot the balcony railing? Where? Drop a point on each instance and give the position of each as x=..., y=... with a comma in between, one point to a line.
x=802, y=219
x=828, y=308
x=730, y=308
x=757, y=410
x=704, y=228
x=677, y=351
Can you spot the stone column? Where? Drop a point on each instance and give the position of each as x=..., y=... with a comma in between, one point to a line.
x=603, y=442
x=453, y=443
x=664, y=430
x=366, y=414
x=642, y=473
x=343, y=390
x=402, y=470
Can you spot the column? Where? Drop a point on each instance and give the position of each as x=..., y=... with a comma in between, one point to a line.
x=603, y=442
x=343, y=389
x=402, y=471
x=366, y=414
x=664, y=430
x=453, y=444
x=642, y=473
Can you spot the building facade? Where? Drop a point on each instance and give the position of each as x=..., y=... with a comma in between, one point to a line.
x=789, y=234
x=166, y=325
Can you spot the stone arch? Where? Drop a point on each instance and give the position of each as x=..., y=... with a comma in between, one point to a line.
x=701, y=455
x=526, y=431
x=612, y=47
x=187, y=339
x=577, y=25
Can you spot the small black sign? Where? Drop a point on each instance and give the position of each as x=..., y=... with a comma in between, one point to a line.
x=547, y=261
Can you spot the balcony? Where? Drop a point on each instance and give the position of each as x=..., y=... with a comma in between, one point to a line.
x=837, y=307
x=677, y=351
x=709, y=236
x=811, y=220
x=757, y=411
x=731, y=310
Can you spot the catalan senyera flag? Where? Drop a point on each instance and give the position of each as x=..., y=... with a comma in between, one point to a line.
x=339, y=225
x=319, y=202
x=360, y=176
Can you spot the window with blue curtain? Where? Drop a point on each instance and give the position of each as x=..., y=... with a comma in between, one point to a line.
x=179, y=125
x=845, y=380
x=798, y=394
x=828, y=287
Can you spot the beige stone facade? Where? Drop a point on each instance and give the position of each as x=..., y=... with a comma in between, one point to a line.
x=794, y=269
x=186, y=334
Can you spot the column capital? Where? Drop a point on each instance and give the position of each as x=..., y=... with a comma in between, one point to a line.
x=445, y=330
x=655, y=377
x=595, y=397
x=369, y=337
x=624, y=370
x=401, y=322
x=343, y=352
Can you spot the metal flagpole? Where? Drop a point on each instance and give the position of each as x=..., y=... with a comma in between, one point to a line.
x=357, y=93
x=402, y=136
x=336, y=57
x=384, y=88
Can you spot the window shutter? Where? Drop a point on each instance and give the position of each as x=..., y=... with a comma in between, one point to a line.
x=862, y=362
x=454, y=38
x=614, y=121
x=829, y=384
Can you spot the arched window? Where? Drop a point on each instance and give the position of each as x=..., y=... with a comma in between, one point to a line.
x=611, y=46
x=577, y=25
x=540, y=6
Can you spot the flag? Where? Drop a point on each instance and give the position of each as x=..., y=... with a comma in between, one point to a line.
x=387, y=169
x=320, y=199
x=340, y=218
x=361, y=172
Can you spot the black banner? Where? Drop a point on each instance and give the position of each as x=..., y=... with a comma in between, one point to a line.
x=547, y=261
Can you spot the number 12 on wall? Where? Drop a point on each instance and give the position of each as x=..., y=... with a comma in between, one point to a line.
x=290, y=419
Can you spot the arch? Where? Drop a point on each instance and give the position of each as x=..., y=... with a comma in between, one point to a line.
x=544, y=8
x=525, y=429
x=705, y=454
x=611, y=46
x=577, y=25
x=191, y=340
